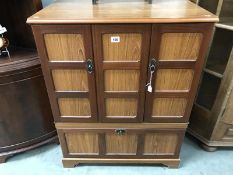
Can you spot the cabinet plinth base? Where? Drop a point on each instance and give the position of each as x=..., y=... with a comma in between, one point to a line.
x=74, y=162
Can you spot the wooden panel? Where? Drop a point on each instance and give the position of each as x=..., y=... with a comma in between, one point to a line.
x=127, y=49
x=145, y=141
x=121, y=107
x=82, y=143
x=173, y=79
x=227, y=116
x=229, y=132
x=65, y=47
x=122, y=125
x=208, y=90
x=74, y=107
x=121, y=80
x=160, y=143
x=169, y=107
x=123, y=144
x=125, y=75
x=70, y=80
x=180, y=46
x=161, y=11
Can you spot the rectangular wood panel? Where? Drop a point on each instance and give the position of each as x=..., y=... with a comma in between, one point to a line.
x=120, y=107
x=121, y=80
x=160, y=143
x=180, y=46
x=79, y=107
x=163, y=107
x=82, y=143
x=173, y=79
x=70, y=80
x=65, y=47
x=227, y=115
x=146, y=141
x=127, y=48
x=121, y=144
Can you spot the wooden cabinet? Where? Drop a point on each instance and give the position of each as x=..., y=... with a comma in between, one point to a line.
x=132, y=141
x=26, y=120
x=121, y=88
x=211, y=118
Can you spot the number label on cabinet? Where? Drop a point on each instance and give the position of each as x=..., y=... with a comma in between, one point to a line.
x=115, y=39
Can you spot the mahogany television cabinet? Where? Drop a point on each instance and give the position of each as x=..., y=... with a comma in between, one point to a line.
x=122, y=76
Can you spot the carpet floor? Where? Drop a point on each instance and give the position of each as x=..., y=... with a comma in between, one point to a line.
x=46, y=160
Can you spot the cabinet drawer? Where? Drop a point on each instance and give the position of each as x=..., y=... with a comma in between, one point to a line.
x=121, y=140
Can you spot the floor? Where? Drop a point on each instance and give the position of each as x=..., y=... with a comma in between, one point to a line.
x=47, y=160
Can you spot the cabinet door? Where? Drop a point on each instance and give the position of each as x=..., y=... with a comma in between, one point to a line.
x=121, y=55
x=68, y=67
x=177, y=53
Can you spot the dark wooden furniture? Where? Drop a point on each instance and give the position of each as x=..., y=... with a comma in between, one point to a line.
x=97, y=62
x=212, y=120
x=25, y=115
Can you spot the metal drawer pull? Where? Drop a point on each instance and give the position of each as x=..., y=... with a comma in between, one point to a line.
x=120, y=132
x=90, y=66
x=152, y=69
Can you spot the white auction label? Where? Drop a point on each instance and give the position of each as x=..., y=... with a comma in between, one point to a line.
x=115, y=39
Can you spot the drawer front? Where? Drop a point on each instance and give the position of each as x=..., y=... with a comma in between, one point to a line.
x=117, y=141
x=223, y=132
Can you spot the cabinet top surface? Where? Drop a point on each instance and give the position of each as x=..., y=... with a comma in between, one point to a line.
x=113, y=11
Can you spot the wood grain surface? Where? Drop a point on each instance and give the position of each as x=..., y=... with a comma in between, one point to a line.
x=73, y=162
x=78, y=107
x=121, y=107
x=65, y=47
x=60, y=125
x=180, y=46
x=173, y=79
x=161, y=11
x=127, y=49
x=123, y=145
x=121, y=80
x=70, y=80
x=95, y=141
x=163, y=107
x=80, y=143
x=160, y=143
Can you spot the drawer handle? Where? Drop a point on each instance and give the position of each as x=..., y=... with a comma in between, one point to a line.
x=120, y=132
x=90, y=66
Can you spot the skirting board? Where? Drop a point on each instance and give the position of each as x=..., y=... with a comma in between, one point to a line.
x=73, y=162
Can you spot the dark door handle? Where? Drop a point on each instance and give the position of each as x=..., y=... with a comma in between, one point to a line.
x=90, y=66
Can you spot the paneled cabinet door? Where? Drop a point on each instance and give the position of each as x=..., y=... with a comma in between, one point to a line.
x=68, y=66
x=176, y=57
x=121, y=55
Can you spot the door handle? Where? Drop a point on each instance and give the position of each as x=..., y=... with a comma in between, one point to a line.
x=152, y=68
x=90, y=66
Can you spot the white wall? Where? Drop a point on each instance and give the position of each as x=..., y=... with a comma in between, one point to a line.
x=46, y=2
